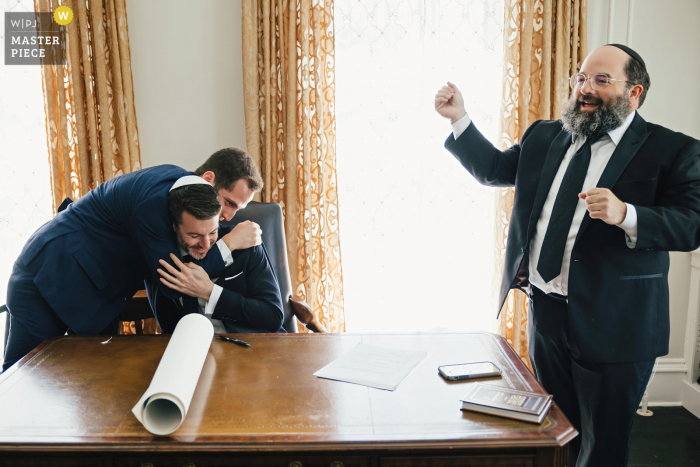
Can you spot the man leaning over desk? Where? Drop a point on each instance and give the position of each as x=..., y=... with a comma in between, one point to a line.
x=79, y=270
x=601, y=197
x=244, y=299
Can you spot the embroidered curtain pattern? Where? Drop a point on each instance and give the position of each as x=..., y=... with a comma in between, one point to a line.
x=289, y=95
x=545, y=42
x=89, y=102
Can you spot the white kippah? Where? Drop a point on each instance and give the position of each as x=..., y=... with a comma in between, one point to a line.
x=189, y=180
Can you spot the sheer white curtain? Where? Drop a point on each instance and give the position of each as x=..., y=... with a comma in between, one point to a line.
x=25, y=190
x=417, y=229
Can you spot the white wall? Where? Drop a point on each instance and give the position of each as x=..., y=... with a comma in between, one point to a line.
x=188, y=79
x=666, y=34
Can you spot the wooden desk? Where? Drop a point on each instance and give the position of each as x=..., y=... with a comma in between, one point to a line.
x=69, y=403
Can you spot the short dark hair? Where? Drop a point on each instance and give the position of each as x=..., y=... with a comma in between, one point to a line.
x=200, y=201
x=637, y=74
x=230, y=165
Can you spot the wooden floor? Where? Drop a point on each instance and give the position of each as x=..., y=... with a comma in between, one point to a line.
x=669, y=438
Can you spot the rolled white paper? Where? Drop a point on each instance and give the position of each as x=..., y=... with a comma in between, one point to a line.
x=164, y=405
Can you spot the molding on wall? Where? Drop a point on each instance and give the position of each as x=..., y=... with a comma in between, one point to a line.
x=690, y=397
x=671, y=365
x=690, y=391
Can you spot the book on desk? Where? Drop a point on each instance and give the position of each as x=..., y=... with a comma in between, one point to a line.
x=507, y=402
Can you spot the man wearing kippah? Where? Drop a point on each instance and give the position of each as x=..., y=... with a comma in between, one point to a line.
x=78, y=271
x=601, y=197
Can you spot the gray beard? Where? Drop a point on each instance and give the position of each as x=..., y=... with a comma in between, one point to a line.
x=606, y=117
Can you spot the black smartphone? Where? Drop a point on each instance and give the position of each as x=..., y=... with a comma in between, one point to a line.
x=468, y=371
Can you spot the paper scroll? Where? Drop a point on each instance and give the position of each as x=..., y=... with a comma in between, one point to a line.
x=164, y=405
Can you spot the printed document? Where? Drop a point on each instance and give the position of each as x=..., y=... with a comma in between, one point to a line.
x=372, y=366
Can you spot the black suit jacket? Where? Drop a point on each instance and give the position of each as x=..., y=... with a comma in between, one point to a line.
x=618, y=296
x=250, y=301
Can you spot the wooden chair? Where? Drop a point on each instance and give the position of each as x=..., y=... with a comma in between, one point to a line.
x=269, y=217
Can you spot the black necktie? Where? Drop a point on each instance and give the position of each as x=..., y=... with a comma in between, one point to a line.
x=552, y=252
x=189, y=304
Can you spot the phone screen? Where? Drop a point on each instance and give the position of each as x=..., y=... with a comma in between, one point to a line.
x=469, y=370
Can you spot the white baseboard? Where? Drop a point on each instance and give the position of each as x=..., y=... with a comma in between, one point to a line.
x=665, y=404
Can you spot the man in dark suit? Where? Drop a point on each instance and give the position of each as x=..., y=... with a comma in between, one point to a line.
x=244, y=299
x=79, y=270
x=601, y=196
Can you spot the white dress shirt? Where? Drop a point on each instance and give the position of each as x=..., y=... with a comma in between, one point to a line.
x=601, y=151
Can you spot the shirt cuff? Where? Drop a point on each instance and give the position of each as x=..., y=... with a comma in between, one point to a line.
x=225, y=253
x=629, y=225
x=213, y=300
x=460, y=125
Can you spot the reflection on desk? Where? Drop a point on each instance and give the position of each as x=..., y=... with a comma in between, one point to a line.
x=72, y=397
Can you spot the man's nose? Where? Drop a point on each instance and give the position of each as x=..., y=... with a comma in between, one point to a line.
x=206, y=243
x=228, y=212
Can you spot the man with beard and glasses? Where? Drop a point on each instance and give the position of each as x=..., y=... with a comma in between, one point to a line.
x=601, y=197
x=245, y=298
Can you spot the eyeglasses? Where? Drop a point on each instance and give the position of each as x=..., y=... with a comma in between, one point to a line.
x=598, y=82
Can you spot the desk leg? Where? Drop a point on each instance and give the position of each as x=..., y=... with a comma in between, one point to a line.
x=552, y=457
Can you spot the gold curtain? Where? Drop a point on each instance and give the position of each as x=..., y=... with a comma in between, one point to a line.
x=545, y=42
x=289, y=92
x=89, y=102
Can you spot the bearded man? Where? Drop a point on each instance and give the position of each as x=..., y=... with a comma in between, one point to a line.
x=601, y=197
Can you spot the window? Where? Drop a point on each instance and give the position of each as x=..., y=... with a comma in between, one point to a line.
x=417, y=233
x=25, y=198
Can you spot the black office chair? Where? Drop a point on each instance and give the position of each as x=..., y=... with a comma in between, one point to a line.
x=269, y=217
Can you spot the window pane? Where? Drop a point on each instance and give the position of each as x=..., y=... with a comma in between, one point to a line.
x=417, y=231
x=25, y=199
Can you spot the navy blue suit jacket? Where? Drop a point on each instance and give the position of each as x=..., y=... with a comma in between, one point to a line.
x=250, y=301
x=91, y=258
x=618, y=296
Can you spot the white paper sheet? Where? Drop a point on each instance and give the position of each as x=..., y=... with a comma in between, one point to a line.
x=377, y=367
x=164, y=405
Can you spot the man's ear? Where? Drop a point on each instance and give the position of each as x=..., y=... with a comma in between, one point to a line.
x=174, y=227
x=636, y=92
x=209, y=176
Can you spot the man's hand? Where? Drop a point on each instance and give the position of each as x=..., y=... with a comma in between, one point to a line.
x=449, y=103
x=604, y=205
x=191, y=279
x=245, y=235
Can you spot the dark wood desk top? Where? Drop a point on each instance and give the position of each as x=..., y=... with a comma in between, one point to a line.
x=75, y=393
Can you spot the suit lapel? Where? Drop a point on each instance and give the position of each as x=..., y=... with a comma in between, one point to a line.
x=631, y=141
x=555, y=155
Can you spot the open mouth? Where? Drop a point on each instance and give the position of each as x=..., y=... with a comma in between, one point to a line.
x=588, y=105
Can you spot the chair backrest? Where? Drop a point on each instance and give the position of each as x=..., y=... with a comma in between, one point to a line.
x=269, y=217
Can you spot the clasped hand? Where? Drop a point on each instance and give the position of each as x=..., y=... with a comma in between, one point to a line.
x=602, y=204
x=191, y=279
x=244, y=235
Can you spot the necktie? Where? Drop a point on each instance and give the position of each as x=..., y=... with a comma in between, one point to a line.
x=552, y=252
x=189, y=304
